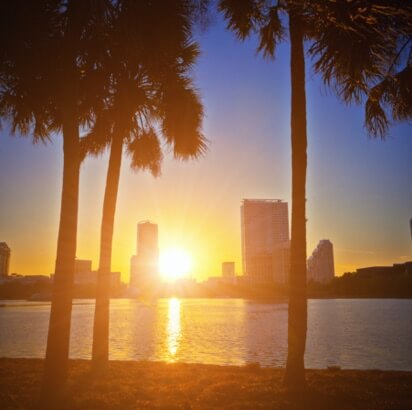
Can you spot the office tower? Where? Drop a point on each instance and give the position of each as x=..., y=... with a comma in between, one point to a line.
x=144, y=265
x=265, y=240
x=320, y=264
x=4, y=260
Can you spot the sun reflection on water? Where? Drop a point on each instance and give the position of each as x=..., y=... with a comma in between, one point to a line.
x=173, y=328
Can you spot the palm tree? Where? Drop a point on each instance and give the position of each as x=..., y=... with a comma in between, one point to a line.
x=264, y=18
x=363, y=51
x=44, y=66
x=356, y=46
x=54, y=78
x=144, y=147
x=151, y=95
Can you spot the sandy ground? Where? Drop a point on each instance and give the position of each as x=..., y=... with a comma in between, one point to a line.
x=147, y=385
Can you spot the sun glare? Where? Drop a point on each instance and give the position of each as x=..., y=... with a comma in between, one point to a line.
x=174, y=264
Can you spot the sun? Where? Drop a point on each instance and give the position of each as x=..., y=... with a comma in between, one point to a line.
x=174, y=263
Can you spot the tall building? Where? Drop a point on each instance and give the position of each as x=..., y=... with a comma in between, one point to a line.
x=145, y=264
x=4, y=260
x=321, y=266
x=265, y=240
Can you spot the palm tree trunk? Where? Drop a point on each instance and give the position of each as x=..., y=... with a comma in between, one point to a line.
x=58, y=340
x=100, y=351
x=57, y=352
x=297, y=316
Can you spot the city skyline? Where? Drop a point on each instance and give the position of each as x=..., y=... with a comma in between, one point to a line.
x=358, y=191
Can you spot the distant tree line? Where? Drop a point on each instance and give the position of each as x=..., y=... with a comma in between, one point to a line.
x=385, y=283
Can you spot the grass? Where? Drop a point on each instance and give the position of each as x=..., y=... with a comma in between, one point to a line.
x=147, y=385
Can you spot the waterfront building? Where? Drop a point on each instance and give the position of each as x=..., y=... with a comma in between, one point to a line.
x=265, y=240
x=32, y=279
x=144, y=269
x=396, y=270
x=83, y=273
x=320, y=265
x=4, y=260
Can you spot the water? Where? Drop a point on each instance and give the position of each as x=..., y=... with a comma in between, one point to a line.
x=351, y=333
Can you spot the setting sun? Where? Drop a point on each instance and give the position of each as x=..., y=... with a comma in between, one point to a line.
x=174, y=263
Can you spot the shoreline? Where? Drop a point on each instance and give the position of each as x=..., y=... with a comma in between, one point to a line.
x=144, y=384
x=272, y=300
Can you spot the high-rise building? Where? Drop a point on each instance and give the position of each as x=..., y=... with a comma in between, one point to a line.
x=4, y=260
x=265, y=240
x=321, y=266
x=145, y=264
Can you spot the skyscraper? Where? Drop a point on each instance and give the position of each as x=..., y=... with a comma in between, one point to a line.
x=265, y=240
x=144, y=265
x=4, y=260
x=321, y=264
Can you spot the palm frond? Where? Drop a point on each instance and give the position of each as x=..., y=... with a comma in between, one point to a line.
x=376, y=121
x=394, y=95
x=182, y=119
x=145, y=152
x=271, y=33
x=99, y=136
x=242, y=16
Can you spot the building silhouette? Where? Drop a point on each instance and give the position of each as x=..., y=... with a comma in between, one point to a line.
x=144, y=270
x=265, y=240
x=321, y=266
x=84, y=275
x=4, y=260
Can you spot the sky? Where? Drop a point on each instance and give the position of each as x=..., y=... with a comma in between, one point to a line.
x=359, y=190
